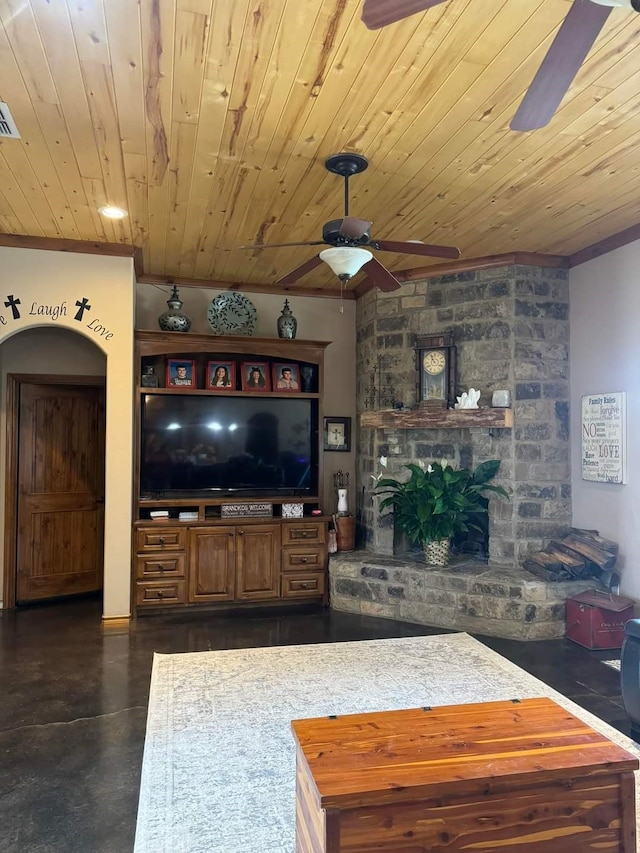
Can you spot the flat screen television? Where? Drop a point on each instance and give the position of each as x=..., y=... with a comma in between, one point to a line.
x=215, y=445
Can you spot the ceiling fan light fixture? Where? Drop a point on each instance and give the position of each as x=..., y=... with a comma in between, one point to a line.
x=345, y=261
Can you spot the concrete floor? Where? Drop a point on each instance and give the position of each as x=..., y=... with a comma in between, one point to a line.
x=73, y=705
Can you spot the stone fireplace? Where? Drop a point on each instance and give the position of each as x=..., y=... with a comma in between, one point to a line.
x=511, y=330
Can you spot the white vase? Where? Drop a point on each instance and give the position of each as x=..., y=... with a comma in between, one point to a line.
x=343, y=506
x=437, y=552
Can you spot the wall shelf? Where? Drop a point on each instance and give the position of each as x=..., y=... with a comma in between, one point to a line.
x=437, y=419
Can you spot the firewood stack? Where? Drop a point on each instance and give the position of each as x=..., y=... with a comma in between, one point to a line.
x=578, y=555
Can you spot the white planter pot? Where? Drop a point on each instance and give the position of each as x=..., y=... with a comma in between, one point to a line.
x=437, y=552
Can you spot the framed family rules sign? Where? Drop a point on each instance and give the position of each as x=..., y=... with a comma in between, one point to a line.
x=604, y=436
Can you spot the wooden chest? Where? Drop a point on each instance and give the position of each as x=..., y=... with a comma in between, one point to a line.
x=515, y=777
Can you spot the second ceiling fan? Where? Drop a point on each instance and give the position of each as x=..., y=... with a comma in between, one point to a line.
x=351, y=241
x=569, y=49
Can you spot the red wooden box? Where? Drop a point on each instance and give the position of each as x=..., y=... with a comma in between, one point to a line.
x=596, y=619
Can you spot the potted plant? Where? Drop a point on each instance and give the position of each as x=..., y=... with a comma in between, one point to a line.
x=438, y=501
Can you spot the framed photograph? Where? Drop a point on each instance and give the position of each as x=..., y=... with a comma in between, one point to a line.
x=286, y=377
x=181, y=373
x=337, y=434
x=255, y=376
x=221, y=376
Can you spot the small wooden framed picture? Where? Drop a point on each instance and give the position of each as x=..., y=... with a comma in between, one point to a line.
x=181, y=373
x=286, y=377
x=337, y=434
x=221, y=376
x=255, y=376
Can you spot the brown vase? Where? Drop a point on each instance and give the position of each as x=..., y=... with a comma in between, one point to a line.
x=346, y=532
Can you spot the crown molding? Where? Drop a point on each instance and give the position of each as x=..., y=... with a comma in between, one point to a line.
x=245, y=287
x=125, y=250
x=61, y=244
x=603, y=247
x=531, y=259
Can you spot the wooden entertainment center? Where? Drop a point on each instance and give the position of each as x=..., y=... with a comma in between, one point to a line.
x=221, y=561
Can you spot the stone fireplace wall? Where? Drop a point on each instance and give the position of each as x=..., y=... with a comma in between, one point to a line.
x=511, y=330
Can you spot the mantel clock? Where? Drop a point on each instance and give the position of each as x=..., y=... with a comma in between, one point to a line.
x=436, y=366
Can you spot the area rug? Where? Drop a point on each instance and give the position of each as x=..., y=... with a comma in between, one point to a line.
x=218, y=773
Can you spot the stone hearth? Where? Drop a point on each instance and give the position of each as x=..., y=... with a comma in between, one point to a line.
x=469, y=595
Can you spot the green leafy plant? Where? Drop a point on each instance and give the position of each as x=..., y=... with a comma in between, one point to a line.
x=438, y=501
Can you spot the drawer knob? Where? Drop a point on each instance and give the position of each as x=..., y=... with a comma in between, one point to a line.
x=304, y=534
x=303, y=560
x=161, y=568
x=161, y=540
x=160, y=594
x=241, y=532
x=304, y=585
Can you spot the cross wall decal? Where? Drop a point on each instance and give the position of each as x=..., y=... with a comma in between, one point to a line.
x=53, y=312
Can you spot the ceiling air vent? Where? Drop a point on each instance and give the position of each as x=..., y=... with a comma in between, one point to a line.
x=7, y=124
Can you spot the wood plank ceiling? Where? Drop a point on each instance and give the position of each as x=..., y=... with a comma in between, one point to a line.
x=209, y=122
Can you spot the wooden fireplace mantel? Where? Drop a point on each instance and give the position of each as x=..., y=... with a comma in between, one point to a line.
x=437, y=418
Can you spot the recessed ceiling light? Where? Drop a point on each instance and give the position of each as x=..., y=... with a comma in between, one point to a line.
x=112, y=212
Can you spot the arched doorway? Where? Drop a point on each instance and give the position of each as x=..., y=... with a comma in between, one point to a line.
x=54, y=472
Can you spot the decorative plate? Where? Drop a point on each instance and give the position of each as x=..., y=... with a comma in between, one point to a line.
x=232, y=314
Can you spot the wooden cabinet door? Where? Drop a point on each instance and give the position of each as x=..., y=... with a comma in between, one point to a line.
x=258, y=561
x=212, y=563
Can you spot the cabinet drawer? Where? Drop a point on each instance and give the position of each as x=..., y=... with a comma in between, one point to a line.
x=165, y=539
x=158, y=592
x=297, y=559
x=169, y=565
x=300, y=532
x=303, y=585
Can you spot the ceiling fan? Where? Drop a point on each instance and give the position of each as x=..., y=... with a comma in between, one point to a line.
x=569, y=49
x=351, y=239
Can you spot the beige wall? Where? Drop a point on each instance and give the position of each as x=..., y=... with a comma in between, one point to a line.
x=46, y=338
x=318, y=320
x=605, y=356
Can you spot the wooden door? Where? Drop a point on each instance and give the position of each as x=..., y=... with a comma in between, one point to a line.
x=59, y=543
x=212, y=563
x=258, y=561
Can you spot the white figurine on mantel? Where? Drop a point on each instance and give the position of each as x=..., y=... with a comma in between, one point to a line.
x=468, y=399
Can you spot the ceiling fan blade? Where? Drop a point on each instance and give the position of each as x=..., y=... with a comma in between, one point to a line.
x=416, y=248
x=354, y=228
x=282, y=245
x=298, y=272
x=568, y=51
x=381, y=276
x=379, y=13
